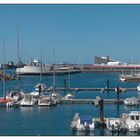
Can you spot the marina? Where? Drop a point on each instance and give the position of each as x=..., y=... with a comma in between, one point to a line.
x=69, y=70
x=85, y=101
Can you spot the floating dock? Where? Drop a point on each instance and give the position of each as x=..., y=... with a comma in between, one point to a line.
x=94, y=89
x=90, y=101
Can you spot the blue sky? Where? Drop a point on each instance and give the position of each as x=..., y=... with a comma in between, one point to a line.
x=76, y=32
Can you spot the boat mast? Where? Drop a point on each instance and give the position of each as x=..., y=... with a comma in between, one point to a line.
x=54, y=69
x=41, y=67
x=4, y=91
x=18, y=55
x=68, y=77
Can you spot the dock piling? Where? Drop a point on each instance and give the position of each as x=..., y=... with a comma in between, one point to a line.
x=39, y=89
x=107, y=85
x=101, y=102
x=118, y=95
x=65, y=85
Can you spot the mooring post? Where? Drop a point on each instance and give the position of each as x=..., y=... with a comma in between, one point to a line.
x=118, y=95
x=65, y=85
x=39, y=89
x=101, y=102
x=107, y=85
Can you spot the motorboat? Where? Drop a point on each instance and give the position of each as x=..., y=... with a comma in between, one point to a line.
x=4, y=102
x=15, y=96
x=133, y=121
x=120, y=90
x=28, y=100
x=40, y=87
x=113, y=124
x=138, y=87
x=127, y=121
x=135, y=77
x=46, y=100
x=131, y=101
x=54, y=93
x=69, y=96
x=85, y=123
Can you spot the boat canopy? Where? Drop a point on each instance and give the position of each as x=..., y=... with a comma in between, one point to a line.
x=87, y=119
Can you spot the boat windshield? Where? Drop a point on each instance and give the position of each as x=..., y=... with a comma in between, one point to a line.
x=87, y=119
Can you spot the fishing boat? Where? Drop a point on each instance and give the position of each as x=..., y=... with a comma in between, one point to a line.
x=33, y=68
x=28, y=100
x=85, y=123
x=133, y=121
x=113, y=124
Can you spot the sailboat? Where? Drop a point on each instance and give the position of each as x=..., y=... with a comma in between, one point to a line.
x=69, y=95
x=4, y=101
x=39, y=87
x=55, y=95
x=44, y=96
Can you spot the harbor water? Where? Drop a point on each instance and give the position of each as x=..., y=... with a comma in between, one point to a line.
x=56, y=120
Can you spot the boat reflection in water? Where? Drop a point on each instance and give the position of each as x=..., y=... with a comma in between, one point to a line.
x=26, y=109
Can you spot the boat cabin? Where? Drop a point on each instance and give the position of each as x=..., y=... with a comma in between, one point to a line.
x=134, y=116
x=35, y=62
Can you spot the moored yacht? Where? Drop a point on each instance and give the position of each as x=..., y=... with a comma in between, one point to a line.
x=131, y=101
x=46, y=100
x=69, y=96
x=40, y=87
x=85, y=123
x=28, y=100
x=113, y=124
x=138, y=87
x=15, y=96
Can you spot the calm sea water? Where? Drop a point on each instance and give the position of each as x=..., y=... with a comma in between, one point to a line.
x=55, y=121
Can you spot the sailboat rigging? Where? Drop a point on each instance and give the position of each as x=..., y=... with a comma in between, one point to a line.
x=4, y=101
